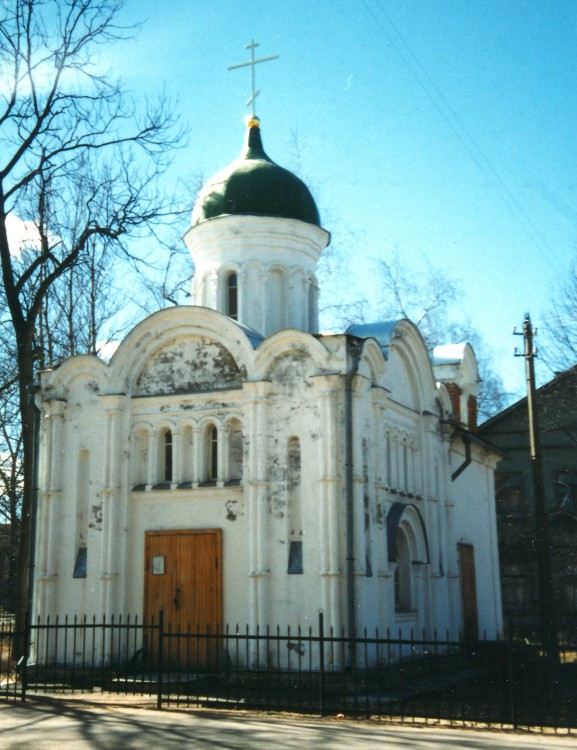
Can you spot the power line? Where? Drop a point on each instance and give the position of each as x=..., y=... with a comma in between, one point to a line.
x=458, y=128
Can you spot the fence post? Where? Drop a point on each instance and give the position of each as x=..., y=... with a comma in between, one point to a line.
x=511, y=677
x=25, y=651
x=321, y=663
x=160, y=658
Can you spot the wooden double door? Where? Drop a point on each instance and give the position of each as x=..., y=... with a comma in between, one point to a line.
x=183, y=579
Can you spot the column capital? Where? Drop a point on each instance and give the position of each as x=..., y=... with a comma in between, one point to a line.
x=328, y=384
x=114, y=402
x=257, y=389
x=54, y=407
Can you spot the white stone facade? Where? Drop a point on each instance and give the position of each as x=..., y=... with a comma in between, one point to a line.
x=323, y=465
x=104, y=486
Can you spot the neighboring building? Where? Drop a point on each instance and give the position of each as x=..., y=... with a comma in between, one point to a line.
x=557, y=413
x=226, y=475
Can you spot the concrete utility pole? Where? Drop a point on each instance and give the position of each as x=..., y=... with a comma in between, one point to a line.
x=543, y=538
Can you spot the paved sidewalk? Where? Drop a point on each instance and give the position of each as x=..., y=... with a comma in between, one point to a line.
x=46, y=724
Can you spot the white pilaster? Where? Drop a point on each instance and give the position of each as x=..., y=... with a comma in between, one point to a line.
x=256, y=488
x=49, y=523
x=329, y=387
x=112, y=511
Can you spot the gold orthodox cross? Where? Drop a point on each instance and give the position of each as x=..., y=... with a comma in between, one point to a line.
x=252, y=62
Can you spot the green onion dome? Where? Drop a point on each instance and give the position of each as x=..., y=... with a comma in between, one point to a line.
x=253, y=185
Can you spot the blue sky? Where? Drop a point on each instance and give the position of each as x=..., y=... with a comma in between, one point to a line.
x=445, y=129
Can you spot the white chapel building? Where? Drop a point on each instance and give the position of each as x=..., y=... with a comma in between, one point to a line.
x=232, y=465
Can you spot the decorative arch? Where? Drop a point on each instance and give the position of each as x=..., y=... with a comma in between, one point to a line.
x=72, y=372
x=407, y=546
x=165, y=435
x=372, y=362
x=411, y=519
x=163, y=328
x=282, y=343
x=401, y=345
x=210, y=436
x=443, y=401
x=411, y=346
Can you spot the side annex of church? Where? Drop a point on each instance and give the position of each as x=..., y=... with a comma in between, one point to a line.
x=232, y=465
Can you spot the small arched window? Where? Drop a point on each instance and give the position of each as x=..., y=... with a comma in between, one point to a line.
x=212, y=454
x=388, y=462
x=232, y=296
x=405, y=459
x=295, y=512
x=167, y=456
x=403, y=573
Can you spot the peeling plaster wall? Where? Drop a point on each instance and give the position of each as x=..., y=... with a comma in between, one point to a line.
x=291, y=386
x=189, y=365
x=293, y=411
x=77, y=429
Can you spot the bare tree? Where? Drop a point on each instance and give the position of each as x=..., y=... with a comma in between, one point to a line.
x=78, y=162
x=339, y=306
x=558, y=335
x=426, y=297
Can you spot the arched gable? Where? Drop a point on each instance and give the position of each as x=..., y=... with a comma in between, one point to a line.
x=408, y=373
x=372, y=361
x=83, y=371
x=287, y=342
x=455, y=365
x=444, y=399
x=182, y=349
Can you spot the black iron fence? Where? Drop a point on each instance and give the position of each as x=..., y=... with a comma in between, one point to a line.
x=417, y=679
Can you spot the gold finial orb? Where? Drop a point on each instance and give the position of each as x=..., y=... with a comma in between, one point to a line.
x=252, y=121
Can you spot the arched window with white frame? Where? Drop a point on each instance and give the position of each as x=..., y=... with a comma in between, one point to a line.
x=295, y=510
x=388, y=461
x=403, y=584
x=211, y=455
x=405, y=465
x=165, y=456
x=408, y=551
x=231, y=295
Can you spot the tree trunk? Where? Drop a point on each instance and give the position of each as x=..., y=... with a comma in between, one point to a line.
x=27, y=520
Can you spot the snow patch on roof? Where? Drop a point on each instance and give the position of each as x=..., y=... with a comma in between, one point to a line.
x=449, y=354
